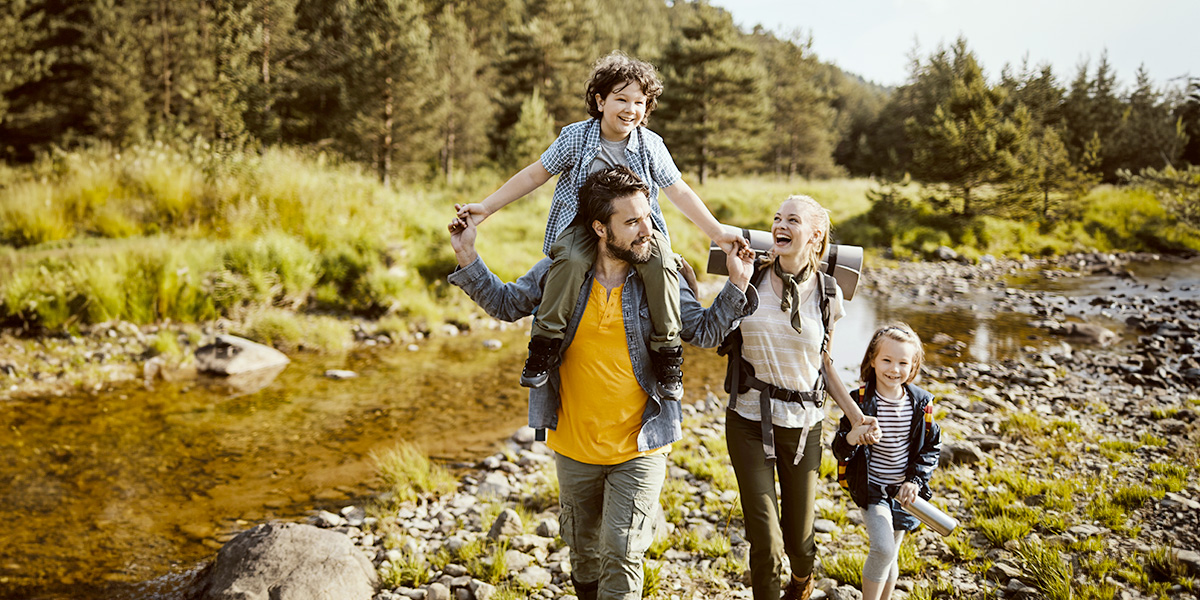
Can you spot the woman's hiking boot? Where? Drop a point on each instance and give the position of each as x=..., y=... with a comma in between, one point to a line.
x=543, y=356
x=667, y=362
x=798, y=589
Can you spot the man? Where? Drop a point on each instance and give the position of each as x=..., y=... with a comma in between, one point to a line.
x=609, y=428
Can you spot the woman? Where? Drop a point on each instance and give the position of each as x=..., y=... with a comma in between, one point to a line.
x=783, y=371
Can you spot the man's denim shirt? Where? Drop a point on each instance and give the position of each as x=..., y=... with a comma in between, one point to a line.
x=704, y=327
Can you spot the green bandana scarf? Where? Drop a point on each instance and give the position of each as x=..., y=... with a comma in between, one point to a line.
x=791, y=292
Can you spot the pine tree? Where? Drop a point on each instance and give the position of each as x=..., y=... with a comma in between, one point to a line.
x=388, y=85
x=117, y=87
x=801, y=96
x=713, y=105
x=968, y=143
x=276, y=46
x=22, y=30
x=310, y=106
x=1188, y=113
x=464, y=113
x=550, y=47
x=1148, y=135
x=532, y=134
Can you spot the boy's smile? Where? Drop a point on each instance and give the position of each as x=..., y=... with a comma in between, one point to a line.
x=622, y=111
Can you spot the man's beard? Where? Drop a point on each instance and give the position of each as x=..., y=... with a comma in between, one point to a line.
x=627, y=254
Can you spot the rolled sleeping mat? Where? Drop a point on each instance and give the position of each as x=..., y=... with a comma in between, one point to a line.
x=843, y=262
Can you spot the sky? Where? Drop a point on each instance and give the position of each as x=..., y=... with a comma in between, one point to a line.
x=874, y=38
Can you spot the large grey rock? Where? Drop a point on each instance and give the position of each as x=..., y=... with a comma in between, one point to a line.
x=232, y=355
x=288, y=561
x=507, y=524
x=1190, y=560
x=960, y=452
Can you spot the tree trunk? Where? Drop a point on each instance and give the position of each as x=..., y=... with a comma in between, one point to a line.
x=385, y=156
x=166, y=57
x=266, y=40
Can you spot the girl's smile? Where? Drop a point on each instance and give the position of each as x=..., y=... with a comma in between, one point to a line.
x=893, y=365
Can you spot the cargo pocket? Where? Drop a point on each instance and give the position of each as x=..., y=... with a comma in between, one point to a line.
x=641, y=527
x=566, y=523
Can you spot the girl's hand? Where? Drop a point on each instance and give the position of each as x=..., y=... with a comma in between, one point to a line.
x=907, y=493
x=866, y=432
x=476, y=212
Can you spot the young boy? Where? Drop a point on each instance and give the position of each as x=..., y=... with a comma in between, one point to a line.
x=620, y=95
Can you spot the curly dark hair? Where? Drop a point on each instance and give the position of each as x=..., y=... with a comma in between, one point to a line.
x=615, y=70
x=601, y=188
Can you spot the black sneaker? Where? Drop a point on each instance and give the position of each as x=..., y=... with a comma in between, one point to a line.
x=667, y=363
x=543, y=356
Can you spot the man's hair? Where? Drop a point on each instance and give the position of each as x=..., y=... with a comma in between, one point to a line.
x=900, y=332
x=613, y=72
x=601, y=188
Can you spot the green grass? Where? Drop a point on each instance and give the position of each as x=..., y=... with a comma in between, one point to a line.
x=1159, y=414
x=411, y=570
x=1003, y=528
x=409, y=474
x=961, y=547
x=1169, y=477
x=846, y=568
x=1051, y=573
x=651, y=579
x=182, y=232
x=1134, y=496
x=1153, y=441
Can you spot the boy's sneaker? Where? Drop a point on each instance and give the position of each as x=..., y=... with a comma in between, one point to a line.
x=543, y=356
x=667, y=363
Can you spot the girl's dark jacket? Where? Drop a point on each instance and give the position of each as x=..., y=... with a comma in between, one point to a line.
x=924, y=444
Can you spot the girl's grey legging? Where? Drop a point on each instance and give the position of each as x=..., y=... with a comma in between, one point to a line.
x=882, y=562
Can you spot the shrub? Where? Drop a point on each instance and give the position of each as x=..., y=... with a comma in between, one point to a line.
x=408, y=473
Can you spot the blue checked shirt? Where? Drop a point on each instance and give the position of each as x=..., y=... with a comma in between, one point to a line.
x=573, y=152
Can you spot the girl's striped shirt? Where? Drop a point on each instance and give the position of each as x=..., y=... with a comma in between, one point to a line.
x=889, y=457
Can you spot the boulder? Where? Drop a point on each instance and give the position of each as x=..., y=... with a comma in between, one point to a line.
x=231, y=355
x=287, y=561
x=960, y=452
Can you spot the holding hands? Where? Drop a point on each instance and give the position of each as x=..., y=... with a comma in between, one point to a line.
x=462, y=238
x=866, y=432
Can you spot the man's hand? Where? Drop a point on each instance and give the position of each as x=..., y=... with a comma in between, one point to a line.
x=907, y=493
x=475, y=213
x=729, y=241
x=741, y=266
x=462, y=239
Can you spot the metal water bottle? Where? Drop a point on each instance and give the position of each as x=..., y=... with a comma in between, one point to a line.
x=932, y=516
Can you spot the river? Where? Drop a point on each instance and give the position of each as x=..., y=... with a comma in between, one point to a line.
x=116, y=495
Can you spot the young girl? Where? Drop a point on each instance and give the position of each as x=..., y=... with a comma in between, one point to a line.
x=886, y=476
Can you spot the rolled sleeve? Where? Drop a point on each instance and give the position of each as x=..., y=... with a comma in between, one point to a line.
x=504, y=301
x=707, y=327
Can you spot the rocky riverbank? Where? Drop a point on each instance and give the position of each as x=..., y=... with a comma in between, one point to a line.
x=1071, y=468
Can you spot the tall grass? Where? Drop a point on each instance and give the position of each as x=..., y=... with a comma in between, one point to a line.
x=190, y=233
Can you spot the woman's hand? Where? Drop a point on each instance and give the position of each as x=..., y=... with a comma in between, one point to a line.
x=907, y=493
x=866, y=432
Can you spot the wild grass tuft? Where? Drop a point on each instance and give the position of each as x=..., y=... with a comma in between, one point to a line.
x=961, y=547
x=1159, y=414
x=651, y=579
x=675, y=493
x=1134, y=496
x=1050, y=572
x=408, y=473
x=1153, y=441
x=1169, y=477
x=492, y=568
x=1003, y=528
x=411, y=570
x=846, y=568
x=1120, y=445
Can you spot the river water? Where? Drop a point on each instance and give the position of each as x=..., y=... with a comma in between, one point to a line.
x=116, y=495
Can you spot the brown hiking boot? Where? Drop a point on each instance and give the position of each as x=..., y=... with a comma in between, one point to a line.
x=798, y=589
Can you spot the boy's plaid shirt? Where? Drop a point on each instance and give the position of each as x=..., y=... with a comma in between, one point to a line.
x=571, y=155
